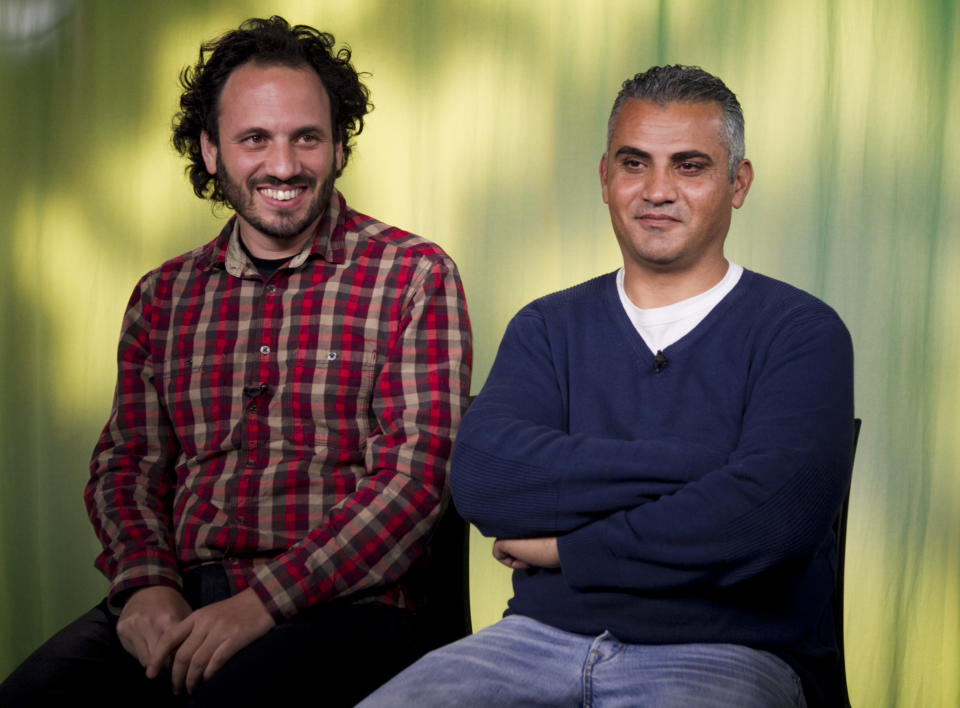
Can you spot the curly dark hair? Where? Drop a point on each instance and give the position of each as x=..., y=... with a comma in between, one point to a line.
x=271, y=41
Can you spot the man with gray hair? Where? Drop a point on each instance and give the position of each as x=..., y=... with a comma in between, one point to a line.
x=660, y=453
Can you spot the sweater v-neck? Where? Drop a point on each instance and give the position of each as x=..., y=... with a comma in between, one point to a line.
x=625, y=326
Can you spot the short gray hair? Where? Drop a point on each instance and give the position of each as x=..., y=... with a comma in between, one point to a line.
x=686, y=84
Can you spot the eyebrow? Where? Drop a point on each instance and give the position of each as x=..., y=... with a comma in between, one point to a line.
x=675, y=157
x=310, y=129
x=691, y=155
x=627, y=150
x=302, y=130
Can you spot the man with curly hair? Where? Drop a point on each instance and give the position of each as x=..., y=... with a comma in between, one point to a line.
x=287, y=396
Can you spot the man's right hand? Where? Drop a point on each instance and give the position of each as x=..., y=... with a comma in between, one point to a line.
x=147, y=614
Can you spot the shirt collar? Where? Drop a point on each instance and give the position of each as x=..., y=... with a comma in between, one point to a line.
x=328, y=243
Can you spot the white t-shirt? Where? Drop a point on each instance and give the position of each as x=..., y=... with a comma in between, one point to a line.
x=662, y=326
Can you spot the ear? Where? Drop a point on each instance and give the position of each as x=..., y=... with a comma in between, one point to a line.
x=603, y=177
x=339, y=153
x=209, y=151
x=742, y=179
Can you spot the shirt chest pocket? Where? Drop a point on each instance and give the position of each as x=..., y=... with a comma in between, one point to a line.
x=330, y=393
x=187, y=379
x=200, y=396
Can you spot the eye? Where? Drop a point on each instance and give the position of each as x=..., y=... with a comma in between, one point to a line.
x=690, y=168
x=309, y=139
x=255, y=139
x=631, y=163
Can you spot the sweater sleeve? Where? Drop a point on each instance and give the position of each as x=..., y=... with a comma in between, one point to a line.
x=515, y=473
x=773, y=501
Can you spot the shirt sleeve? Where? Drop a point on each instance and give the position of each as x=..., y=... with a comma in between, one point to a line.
x=516, y=473
x=130, y=492
x=773, y=501
x=373, y=535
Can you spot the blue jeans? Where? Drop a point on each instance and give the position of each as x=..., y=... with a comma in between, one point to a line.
x=522, y=662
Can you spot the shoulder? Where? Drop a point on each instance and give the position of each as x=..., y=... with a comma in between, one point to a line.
x=578, y=300
x=369, y=236
x=578, y=313
x=775, y=297
x=778, y=308
x=185, y=265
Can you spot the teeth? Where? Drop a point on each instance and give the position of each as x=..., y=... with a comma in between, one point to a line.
x=281, y=194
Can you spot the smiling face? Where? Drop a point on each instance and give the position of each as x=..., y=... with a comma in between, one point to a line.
x=665, y=178
x=276, y=158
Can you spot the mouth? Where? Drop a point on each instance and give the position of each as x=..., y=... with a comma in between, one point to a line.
x=657, y=219
x=281, y=195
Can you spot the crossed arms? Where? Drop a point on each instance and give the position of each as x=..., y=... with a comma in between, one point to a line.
x=658, y=512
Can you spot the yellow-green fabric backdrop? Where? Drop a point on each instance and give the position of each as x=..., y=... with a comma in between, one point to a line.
x=489, y=124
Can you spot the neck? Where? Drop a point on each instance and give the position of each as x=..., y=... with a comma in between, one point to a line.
x=271, y=248
x=650, y=288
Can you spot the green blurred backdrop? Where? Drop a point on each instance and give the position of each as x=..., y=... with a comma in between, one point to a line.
x=488, y=128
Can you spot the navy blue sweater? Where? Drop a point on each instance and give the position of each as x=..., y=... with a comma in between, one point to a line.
x=692, y=503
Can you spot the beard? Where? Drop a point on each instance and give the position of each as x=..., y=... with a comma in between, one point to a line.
x=283, y=227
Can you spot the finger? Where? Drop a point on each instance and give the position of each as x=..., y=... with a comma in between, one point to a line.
x=511, y=562
x=223, y=653
x=160, y=657
x=199, y=662
x=182, y=660
x=499, y=550
x=164, y=646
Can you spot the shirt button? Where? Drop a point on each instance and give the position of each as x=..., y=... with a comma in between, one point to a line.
x=241, y=519
x=251, y=461
x=234, y=561
x=264, y=349
x=271, y=288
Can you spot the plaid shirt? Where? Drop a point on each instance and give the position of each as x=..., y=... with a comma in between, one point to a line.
x=296, y=430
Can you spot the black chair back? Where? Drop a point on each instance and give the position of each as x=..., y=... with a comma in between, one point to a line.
x=442, y=582
x=840, y=530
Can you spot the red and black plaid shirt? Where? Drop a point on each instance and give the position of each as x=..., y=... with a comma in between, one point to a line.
x=297, y=429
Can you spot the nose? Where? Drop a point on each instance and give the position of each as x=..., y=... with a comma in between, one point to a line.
x=281, y=161
x=660, y=187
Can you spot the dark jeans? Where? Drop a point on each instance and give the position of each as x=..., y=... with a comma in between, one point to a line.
x=332, y=654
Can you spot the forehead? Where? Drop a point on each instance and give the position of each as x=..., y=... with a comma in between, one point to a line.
x=257, y=92
x=671, y=127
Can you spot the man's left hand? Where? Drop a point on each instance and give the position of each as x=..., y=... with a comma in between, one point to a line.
x=205, y=640
x=521, y=553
